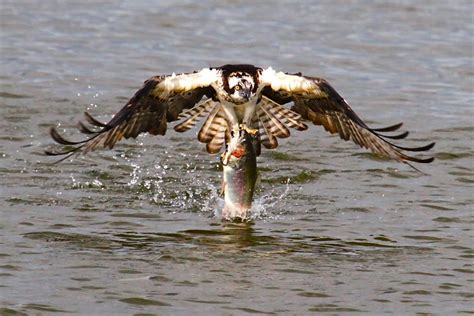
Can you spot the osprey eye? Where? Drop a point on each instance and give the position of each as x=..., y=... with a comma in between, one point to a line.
x=237, y=88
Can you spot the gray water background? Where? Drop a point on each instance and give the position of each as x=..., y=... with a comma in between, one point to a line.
x=136, y=230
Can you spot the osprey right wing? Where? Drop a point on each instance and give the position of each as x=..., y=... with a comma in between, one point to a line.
x=160, y=100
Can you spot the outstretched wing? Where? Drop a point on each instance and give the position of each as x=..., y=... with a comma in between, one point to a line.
x=315, y=100
x=160, y=100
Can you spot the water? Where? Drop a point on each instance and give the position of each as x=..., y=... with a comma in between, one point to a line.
x=336, y=230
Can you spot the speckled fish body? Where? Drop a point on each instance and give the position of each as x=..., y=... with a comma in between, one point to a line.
x=240, y=177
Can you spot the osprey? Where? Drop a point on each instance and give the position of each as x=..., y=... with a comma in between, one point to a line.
x=235, y=97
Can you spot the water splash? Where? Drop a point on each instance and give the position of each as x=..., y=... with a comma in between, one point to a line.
x=191, y=188
x=268, y=205
x=175, y=190
x=96, y=183
x=135, y=174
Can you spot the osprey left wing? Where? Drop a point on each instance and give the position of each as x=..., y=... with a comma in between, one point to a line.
x=315, y=100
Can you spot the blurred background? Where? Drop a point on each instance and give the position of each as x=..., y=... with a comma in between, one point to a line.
x=136, y=230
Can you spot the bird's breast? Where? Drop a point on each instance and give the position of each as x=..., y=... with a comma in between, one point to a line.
x=240, y=110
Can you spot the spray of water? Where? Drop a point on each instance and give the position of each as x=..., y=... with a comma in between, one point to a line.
x=192, y=191
x=268, y=206
x=189, y=188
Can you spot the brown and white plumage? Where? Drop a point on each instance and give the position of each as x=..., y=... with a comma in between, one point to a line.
x=161, y=100
x=231, y=95
x=315, y=100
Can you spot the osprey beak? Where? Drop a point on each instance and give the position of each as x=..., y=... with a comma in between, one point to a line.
x=247, y=94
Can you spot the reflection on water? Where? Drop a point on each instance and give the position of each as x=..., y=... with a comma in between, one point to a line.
x=334, y=229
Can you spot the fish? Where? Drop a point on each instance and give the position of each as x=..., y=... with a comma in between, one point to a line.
x=239, y=164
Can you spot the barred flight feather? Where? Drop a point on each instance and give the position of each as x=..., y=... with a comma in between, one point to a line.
x=215, y=130
x=272, y=124
x=194, y=115
x=215, y=145
x=267, y=138
x=205, y=134
x=285, y=115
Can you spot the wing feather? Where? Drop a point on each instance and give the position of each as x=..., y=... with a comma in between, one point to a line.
x=161, y=100
x=216, y=143
x=315, y=100
x=194, y=115
x=273, y=125
x=274, y=121
x=210, y=126
x=286, y=116
x=93, y=121
x=267, y=138
x=215, y=130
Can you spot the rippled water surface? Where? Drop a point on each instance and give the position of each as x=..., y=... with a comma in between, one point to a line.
x=136, y=230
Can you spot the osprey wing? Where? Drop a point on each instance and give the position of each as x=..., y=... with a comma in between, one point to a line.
x=160, y=100
x=315, y=100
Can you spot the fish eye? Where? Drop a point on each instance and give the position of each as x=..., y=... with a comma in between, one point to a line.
x=237, y=88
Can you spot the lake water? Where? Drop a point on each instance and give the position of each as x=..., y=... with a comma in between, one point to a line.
x=336, y=230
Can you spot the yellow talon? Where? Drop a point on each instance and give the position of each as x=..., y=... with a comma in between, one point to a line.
x=251, y=131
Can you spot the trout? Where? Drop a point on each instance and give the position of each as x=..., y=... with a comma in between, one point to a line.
x=240, y=176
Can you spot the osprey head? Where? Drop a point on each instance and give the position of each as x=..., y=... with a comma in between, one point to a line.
x=241, y=87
